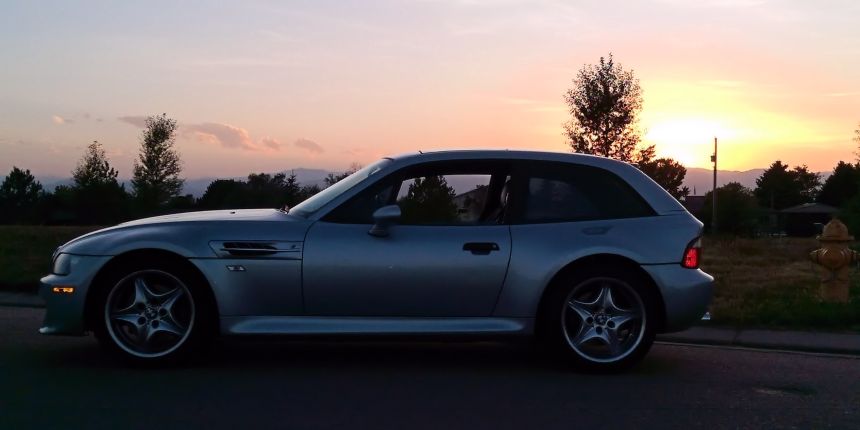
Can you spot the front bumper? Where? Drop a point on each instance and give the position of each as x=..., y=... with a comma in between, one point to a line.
x=686, y=294
x=64, y=312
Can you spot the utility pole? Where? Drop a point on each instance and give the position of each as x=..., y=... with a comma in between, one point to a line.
x=714, y=193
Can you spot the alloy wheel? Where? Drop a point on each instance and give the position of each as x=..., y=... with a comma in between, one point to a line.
x=149, y=313
x=603, y=319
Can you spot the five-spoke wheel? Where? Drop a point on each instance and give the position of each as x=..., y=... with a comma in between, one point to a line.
x=604, y=319
x=601, y=318
x=153, y=311
x=149, y=313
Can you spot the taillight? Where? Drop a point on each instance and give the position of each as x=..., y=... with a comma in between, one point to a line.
x=692, y=255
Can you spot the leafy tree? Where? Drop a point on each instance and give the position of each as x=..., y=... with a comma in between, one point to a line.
x=60, y=207
x=666, y=172
x=20, y=193
x=307, y=191
x=334, y=178
x=156, y=171
x=98, y=197
x=737, y=209
x=94, y=169
x=841, y=185
x=604, y=103
x=779, y=188
x=223, y=194
x=429, y=200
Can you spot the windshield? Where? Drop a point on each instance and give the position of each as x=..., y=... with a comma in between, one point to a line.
x=320, y=199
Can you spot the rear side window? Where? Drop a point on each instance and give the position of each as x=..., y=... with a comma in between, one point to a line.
x=560, y=192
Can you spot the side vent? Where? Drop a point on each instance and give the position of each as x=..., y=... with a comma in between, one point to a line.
x=251, y=249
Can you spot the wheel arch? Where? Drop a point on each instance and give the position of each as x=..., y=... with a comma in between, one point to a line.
x=610, y=262
x=118, y=261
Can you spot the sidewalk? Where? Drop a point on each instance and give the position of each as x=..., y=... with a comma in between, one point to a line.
x=807, y=341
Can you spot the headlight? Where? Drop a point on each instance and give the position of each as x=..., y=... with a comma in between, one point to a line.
x=62, y=264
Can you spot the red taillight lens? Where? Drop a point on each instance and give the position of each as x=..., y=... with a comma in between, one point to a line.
x=692, y=255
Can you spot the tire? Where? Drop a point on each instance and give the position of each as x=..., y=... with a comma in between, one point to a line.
x=153, y=312
x=600, y=319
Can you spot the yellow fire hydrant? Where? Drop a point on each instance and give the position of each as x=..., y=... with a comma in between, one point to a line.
x=836, y=258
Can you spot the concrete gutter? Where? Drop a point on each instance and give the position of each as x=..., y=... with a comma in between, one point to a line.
x=806, y=341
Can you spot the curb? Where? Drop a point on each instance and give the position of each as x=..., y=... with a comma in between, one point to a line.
x=802, y=341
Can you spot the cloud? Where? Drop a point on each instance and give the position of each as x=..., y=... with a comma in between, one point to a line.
x=137, y=121
x=226, y=135
x=58, y=120
x=270, y=142
x=309, y=145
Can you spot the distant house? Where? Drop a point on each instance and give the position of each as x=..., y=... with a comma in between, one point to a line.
x=801, y=220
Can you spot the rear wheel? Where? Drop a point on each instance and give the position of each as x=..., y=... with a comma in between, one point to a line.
x=601, y=320
x=152, y=313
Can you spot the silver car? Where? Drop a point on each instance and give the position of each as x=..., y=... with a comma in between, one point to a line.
x=587, y=254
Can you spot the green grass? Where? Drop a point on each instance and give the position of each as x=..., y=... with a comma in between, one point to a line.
x=771, y=283
x=25, y=253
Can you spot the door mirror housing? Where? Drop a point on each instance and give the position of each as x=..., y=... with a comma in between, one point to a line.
x=384, y=218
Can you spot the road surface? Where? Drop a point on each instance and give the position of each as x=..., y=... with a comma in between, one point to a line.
x=64, y=383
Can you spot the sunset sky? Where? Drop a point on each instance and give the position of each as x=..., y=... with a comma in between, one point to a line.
x=267, y=86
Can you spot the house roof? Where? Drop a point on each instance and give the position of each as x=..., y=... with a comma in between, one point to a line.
x=810, y=208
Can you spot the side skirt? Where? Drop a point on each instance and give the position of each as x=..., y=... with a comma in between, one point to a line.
x=301, y=325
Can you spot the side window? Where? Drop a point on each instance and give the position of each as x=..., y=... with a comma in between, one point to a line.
x=443, y=199
x=559, y=193
x=458, y=194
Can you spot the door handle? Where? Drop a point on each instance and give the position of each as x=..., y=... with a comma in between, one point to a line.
x=481, y=248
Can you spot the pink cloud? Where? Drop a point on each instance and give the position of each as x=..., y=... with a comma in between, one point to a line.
x=309, y=145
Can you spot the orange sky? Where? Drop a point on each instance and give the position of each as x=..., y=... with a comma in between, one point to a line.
x=264, y=86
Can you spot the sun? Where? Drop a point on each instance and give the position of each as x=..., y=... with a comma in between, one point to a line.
x=687, y=140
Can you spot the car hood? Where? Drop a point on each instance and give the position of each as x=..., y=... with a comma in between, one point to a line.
x=189, y=233
x=219, y=215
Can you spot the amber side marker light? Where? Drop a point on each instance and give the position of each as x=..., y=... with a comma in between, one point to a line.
x=63, y=290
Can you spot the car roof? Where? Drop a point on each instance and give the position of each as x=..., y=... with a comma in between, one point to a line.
x=503, y=154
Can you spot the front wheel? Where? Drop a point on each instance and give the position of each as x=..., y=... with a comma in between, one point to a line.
x=601, y=320
x=151, y=314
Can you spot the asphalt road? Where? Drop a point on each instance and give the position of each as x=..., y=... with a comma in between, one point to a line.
x=52, y=382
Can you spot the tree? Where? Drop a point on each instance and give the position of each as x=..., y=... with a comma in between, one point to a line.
x=779, y=188
x=223, y=194
x=20, y=193
x=604, y=103
x=94, y=169
x=429, y=200
x=840, y=186
x=156, y=171
x=856, y=140
x=97, y=196
x=737, y=211
x=666, y=172
x=333, y=178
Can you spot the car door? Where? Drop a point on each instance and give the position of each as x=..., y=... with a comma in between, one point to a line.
x=447, y=256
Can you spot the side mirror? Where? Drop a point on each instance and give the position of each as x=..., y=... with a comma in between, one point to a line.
x=384, y=217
